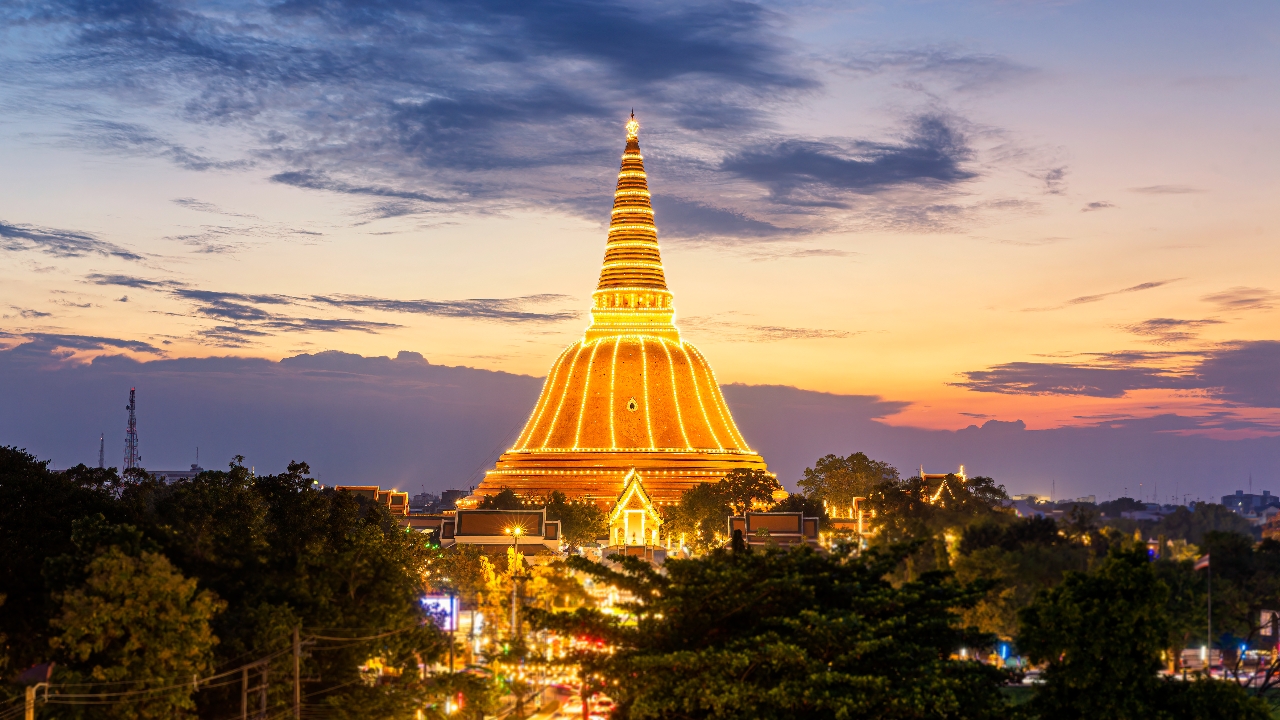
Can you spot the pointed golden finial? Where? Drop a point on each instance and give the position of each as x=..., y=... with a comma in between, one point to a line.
x=633, y=127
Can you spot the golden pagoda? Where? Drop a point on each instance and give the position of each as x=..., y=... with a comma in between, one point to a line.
x=631, y=394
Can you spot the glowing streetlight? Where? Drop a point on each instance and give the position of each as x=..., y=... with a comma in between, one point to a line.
x=515, y=531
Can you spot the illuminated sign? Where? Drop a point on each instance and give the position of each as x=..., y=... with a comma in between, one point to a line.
x=443, y=609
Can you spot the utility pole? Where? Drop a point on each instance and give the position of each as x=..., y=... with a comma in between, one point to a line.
x=31, y=698
x=297, y=678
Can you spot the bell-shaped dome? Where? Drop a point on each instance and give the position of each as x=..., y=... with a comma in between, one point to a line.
x=631, y=394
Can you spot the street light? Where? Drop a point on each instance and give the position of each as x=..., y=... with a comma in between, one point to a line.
x=515, y=532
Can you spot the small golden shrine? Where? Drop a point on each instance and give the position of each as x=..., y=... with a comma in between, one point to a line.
x=634, y=520
x=631, y=394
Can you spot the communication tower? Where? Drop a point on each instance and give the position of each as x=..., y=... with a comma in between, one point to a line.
x=132, y=459
x=102, y=449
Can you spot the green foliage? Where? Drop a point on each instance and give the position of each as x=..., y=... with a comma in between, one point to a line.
x=700, y=519
x=137, y=619
x=702, y=515
x=37, y=509
x=279, y=552
x=581, y=521
x=744, y=488
x=797, y=502
x=838, y=480
x=784, y=634
x=1100, y=637
x=1113, y=508
x=1191, y=525
x=505, y=499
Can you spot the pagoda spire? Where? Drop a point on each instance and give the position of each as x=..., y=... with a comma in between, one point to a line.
x=632, y=295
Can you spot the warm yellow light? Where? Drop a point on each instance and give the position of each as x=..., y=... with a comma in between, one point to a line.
x=633, y=128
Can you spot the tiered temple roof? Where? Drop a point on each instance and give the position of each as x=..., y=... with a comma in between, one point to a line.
x=631, y=393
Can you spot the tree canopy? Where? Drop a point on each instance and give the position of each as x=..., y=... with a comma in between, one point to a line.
x=784, y=634
x=249, y=556
x=1101, y=635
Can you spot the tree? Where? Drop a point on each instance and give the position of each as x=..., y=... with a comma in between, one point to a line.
x=1021, y=557
x=783, y=634
x=505, y=499
x=138, y=621
x=700, y=520
x=838, y=480
x=581, y=521
x=37, y=509
x=1191, y=525
x=743, y=489
x=1100, y=636
x=279, y=552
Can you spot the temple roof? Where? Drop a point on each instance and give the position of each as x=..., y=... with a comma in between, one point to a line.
x=631, y=394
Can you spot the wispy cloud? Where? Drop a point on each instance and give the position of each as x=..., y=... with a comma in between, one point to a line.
x=1243, y=298
x=1095, y=206
x=59, y=243
x=1166, y=190
x=1168, y=331
x=244, y=317
x=206, y=207
x=319, y=181
x=1086, y=299
x=749, y=332
x=502, y=309
x=961, y=71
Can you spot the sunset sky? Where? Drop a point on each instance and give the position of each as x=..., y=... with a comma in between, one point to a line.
x=1062, y=213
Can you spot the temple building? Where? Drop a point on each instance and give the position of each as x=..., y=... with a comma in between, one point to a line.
x=631, y=394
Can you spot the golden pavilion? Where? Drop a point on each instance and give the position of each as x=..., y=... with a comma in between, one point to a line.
x=631, y=394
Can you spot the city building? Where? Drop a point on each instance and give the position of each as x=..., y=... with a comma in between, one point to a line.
x=1248, y=503
x=631, y=393
x=760, y=529
x=529, y=531
x=396, y=502
x=176, y=475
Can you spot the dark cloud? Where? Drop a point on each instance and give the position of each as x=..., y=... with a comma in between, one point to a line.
x=1243, y=298
x=1167, y=331
x=59, y=243
x=1243, y=373
x=397, y=86
x=681, y=218
x=49, y=342
x=244, y=317
x=503, y=309
x=1094, y=206
x=1165, y=190
x=1246, y=373
x=127, y=281
x=1031, y=378
x=418, y=425
x=820, y=173
x=29, y=314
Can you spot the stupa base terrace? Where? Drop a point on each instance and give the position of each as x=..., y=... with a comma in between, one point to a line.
x=598, y=476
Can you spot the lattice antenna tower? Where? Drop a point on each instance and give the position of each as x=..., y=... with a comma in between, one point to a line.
x=132, y=459
x=102, y=450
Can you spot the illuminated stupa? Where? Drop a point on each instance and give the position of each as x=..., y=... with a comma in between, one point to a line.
x=631, y=393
